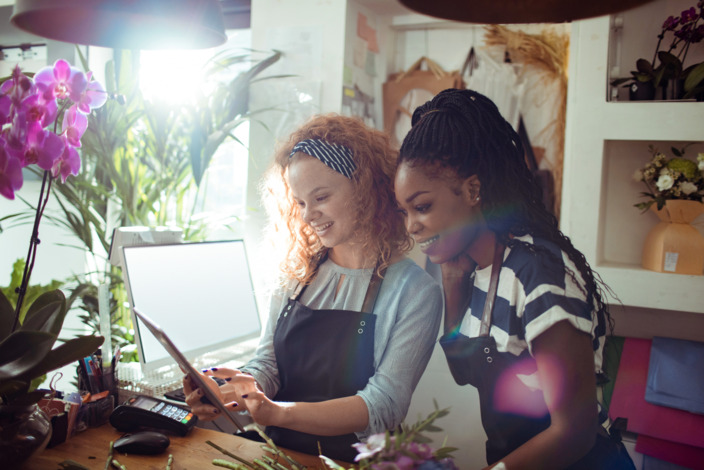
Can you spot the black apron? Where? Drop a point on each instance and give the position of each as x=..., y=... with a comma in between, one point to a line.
x=321, y=355
x=477, y=362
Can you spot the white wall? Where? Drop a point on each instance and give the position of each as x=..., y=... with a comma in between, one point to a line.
x=311, y=35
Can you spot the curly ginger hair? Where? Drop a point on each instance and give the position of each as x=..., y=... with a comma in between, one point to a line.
x=380, y=227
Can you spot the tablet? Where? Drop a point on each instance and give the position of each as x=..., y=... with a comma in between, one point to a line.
x=186, y=366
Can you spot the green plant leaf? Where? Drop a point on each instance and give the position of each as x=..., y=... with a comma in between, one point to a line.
x=7, y=317
x=694, y=77
x=23, y=350
x=28, y=398
x=644, y=66
x=68, y=352
x=47, y=313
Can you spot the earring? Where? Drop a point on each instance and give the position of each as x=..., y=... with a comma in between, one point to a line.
x=477, y=199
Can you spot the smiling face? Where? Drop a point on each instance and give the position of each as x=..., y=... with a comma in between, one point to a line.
x=442, y=213
x=324, y=198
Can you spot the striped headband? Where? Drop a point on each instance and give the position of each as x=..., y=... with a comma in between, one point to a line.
x=336, y=156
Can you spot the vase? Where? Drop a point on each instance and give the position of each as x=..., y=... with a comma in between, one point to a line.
x=24, y=431
x=674, y=245
x=640, y=91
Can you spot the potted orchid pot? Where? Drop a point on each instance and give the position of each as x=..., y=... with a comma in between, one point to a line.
x=666, y=76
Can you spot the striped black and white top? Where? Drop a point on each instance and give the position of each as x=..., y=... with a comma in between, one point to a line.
x=533, y=294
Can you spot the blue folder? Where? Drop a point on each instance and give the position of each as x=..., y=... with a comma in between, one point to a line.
x=676, y=374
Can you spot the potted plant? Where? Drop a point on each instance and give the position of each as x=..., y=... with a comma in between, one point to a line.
x=671, y=178
x=667, y=67
x=27, y=354
x=43, y=119
x=675, y=192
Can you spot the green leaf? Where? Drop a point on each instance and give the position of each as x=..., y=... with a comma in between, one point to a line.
x=432, y=428
x=28, y=398
x=694, y=77
x=22, y=351
x=68, y=352
x=47, y=313
x=644, y=66
x=7, y=316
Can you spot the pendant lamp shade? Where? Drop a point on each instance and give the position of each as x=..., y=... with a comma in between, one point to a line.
x=124, y=24
x=519, y=11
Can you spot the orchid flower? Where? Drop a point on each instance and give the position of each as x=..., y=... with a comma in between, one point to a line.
x=5, y=108
x=10, y=174
x=64, y=80
x=93, y=97
x=68, y=163
x=42, y=147
x=18, y=87
x=73, y=126
x=40, y=107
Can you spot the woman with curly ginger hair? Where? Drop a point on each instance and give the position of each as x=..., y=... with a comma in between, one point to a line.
x=352, y=329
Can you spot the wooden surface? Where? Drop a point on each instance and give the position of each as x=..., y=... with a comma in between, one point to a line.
x=90, y=448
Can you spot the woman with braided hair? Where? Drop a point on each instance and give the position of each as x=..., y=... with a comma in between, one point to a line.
x=525, y=316
x=353, y=325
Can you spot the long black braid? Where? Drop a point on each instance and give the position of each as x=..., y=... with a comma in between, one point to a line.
x=463, y=131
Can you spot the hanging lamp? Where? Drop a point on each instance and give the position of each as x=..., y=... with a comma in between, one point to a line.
x=519, y=11
x=124, y=24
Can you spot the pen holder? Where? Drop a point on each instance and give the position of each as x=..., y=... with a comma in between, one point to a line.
x=95, y=413
x=109, y=381
x=99, y=391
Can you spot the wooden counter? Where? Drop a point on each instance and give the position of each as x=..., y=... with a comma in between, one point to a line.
x=90, y=448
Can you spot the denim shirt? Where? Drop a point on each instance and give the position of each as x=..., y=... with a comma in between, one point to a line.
x=408, y=310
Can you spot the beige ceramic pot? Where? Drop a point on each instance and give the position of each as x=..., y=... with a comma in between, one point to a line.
x=674, y=245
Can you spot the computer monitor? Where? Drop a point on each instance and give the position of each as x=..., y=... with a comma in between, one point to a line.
x=202, y=292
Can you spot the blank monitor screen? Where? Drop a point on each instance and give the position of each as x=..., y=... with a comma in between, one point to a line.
x=201, y=294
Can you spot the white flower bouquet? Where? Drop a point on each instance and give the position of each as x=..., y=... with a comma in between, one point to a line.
x=671, y=178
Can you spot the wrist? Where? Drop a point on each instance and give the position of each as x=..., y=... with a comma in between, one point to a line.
x=283, y=414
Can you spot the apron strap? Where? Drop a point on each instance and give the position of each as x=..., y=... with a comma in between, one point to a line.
x=491, y=293
x=372, y=291
x=321, y=257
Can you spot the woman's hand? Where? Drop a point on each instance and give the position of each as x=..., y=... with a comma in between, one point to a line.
x=240, y=392
x=225, y=393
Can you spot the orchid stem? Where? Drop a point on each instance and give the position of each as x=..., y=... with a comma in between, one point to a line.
x=33, y=243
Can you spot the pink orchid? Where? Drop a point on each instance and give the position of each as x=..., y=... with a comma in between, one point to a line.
x=69, y=163
x=93, y=97
x=18, y=87
x=42, y=147
x=40, y=107
x=5, y=109
x=73, y=126
x=64, y=80
x=10, y=174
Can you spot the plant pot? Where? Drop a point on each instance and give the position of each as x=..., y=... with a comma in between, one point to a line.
x=674, y=89
x=24, y=431
x=640, y=91
x=674, y=245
